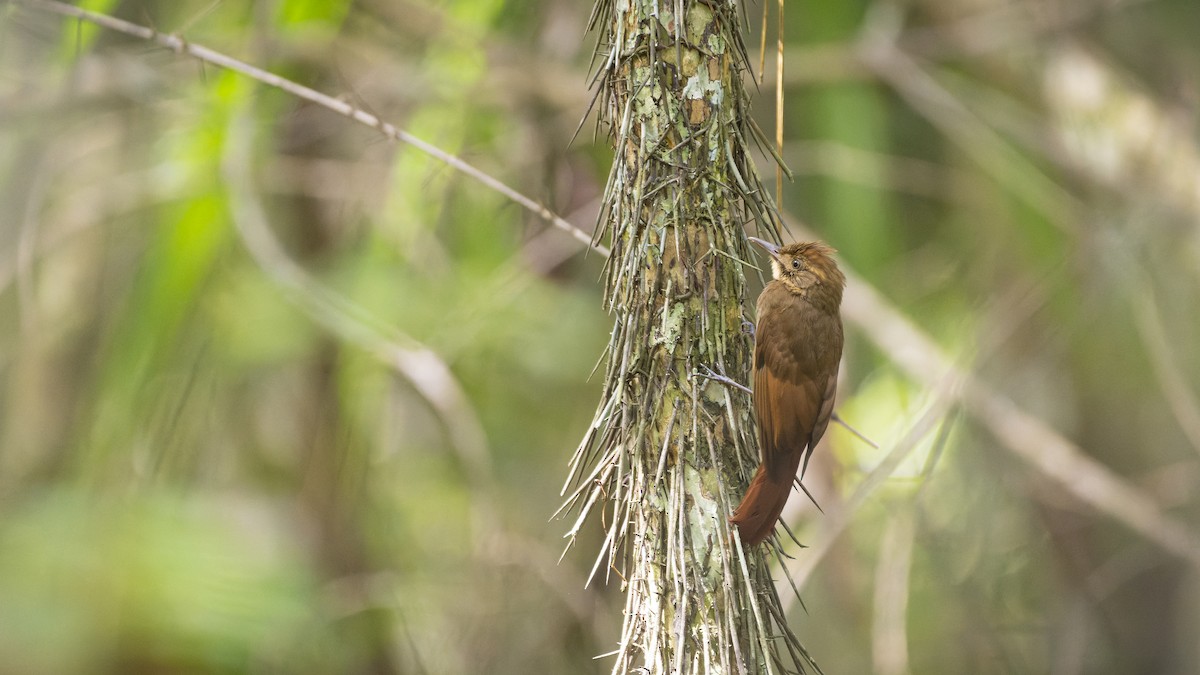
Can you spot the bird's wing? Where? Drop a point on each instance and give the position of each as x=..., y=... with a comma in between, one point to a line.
x=796, y=354
x=823, y=415
x=787, y=400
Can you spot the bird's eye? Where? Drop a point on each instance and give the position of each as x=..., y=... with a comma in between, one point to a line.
x=795, y=264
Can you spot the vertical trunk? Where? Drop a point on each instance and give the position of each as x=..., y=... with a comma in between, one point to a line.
x=670, y=452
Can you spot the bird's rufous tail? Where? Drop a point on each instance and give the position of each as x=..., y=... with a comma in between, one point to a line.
x=765, y=498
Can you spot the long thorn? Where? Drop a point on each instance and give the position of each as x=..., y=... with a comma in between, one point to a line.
x=837, y=418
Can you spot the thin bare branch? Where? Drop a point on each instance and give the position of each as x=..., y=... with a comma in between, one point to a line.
x=182, y=46
x=1028, y=437
x=889, y=627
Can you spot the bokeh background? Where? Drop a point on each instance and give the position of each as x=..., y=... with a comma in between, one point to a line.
x=280, y=396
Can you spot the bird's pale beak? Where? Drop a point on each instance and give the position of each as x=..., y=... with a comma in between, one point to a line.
x=770, y=248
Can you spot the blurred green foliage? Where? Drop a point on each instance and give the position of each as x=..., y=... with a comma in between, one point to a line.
x=201, y=472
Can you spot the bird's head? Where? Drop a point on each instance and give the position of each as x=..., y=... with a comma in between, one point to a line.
x=805, y=266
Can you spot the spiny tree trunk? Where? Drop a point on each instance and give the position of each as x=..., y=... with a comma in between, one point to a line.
x=670, y=452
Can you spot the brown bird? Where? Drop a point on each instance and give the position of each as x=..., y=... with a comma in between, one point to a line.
x=797, y=347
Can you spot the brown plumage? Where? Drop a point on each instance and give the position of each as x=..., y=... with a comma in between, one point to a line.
x=797, y=347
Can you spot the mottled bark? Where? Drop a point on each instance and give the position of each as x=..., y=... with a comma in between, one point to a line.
x=670, y=451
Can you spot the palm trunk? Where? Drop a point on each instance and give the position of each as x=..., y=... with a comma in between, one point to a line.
x=670, y=452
